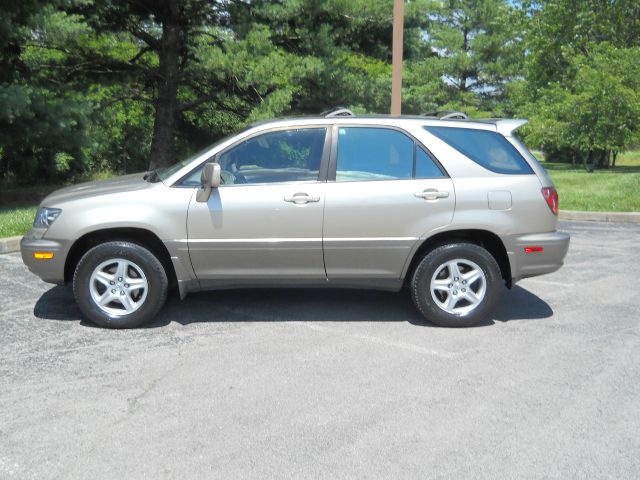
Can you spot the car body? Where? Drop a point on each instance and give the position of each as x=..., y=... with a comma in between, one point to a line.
x=323, y=201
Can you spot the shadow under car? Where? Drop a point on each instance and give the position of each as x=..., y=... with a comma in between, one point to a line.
x=284, y=305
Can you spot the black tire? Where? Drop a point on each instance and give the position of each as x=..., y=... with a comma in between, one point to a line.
x=143, y=259
x=433, y=261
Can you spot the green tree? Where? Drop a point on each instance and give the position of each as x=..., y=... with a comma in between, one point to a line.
x=560, y=29
x=164, y=32
x=182, y=57
x=348, y=41
x=597, y=114
x=581, y=86
x=42, y=123
x=472, y=49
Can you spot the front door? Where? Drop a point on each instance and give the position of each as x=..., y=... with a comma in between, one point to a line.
x=264, y=224
x=387, y=194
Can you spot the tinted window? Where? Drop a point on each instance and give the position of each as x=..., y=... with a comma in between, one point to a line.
x=167, y=172
x=489, y=149
x=373, y=154
x=425, y=166
x=282, y=156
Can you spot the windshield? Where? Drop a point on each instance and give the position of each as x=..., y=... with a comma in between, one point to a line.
x=164, y=173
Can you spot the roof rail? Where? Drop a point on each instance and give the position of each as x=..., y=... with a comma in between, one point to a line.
x=446, y=115
x=338, y=112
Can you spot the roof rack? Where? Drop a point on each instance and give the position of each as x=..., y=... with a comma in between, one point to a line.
x=446, y=115
x=338, y=112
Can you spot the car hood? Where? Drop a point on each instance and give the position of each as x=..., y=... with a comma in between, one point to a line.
x=126, y=183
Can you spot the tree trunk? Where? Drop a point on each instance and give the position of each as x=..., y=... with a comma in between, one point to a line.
x=465, y=48
x=164, y=125
x=602, y=160
x=587, y=161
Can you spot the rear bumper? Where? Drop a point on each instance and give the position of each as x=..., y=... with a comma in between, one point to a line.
x=554, y=249
x=50, y=270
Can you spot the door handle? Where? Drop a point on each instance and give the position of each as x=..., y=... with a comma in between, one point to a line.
x=301, y=198
x=431, y=194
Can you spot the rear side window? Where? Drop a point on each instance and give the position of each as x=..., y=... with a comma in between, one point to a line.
x=368, y=153
x=373, y=154
x=425, y=166
x=488, y=149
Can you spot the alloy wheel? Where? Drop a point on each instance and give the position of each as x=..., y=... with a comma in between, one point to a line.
x=458, y=286
x=118, y=286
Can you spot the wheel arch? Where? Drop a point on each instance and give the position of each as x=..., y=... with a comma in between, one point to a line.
x=139, y=236
x=483, y=238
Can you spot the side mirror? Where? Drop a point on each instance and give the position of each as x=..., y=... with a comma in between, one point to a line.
x=210, y=175
x=209, y=179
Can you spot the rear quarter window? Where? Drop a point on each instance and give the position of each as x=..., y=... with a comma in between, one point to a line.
x=488, y=149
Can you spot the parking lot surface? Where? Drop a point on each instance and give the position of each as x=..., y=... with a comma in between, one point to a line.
x=331, y=384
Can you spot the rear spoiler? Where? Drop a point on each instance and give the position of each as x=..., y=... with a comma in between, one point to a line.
x=507, y=127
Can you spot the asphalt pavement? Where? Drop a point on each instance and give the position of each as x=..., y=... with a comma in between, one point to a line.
x=331, y=384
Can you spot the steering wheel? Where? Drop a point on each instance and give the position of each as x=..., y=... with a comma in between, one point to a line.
x=231, y=178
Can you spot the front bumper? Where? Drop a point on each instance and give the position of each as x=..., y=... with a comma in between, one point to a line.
x=551, y=258
x=50, y=270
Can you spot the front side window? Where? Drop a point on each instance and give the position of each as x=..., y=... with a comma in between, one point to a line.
x=373, y=154
x=488, y=149
x=275, y=157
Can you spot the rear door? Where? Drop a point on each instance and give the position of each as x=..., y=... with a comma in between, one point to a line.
x=385, y=192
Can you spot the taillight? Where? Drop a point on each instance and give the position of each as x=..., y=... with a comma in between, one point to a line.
x=550, y=194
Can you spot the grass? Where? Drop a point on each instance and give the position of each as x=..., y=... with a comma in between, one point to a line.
x=16, y=220
x=629, y=159
x=18, y=205
x=612, y=190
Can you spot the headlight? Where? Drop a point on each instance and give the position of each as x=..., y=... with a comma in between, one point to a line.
x=45, y=217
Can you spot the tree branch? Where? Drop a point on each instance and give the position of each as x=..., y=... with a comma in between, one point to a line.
x=140, y=54
x=146, y=37
x=186, y=106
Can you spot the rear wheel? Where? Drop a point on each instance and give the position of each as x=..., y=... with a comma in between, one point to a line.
x=120, y=285
x=456, y=285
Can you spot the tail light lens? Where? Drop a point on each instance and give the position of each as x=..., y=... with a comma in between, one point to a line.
x=550, y=194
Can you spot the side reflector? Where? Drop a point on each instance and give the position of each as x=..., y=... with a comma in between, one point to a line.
x=43, y=255
x=533, y=249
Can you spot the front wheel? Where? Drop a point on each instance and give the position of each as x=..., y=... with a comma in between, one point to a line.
x=120, y=285
x=456, y=285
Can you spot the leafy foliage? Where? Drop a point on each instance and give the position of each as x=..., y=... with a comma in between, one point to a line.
x=582, y=79
x=91, y=86
x=598, y=111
